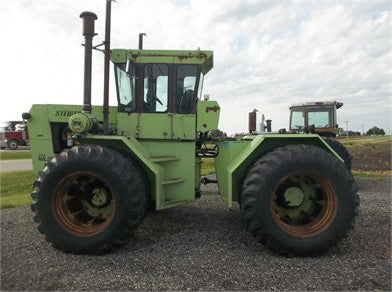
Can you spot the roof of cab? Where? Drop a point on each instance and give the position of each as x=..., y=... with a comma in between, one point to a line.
x=317, y=104
x=203, y=58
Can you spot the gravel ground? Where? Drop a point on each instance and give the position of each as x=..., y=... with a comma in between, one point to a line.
x=202, y=246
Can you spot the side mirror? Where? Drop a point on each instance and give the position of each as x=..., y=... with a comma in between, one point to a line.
x=26, y=116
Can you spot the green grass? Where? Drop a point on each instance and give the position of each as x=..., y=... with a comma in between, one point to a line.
x=373, y=174
x=16, y=188
x=363, y=141
x=10, y=155
x=207, y=167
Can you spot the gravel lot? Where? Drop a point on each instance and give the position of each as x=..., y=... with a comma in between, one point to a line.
x=202, y=246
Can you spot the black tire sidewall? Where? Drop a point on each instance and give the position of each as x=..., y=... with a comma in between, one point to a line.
x=340, y=149
x=12, y=141
x=60, y=236
x=306, y=163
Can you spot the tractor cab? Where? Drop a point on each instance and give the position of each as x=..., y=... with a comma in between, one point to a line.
x=316, y=117
x=158, y=92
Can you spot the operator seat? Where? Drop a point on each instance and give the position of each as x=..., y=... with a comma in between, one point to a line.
x=185, y=103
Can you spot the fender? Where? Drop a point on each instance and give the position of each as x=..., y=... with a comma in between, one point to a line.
x=131, y=146
x=236, y=156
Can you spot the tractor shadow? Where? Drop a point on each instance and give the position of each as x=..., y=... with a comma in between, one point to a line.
x=208, y=221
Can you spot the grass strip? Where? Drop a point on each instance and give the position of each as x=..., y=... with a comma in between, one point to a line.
x=15, y=188
x=207, y=166
x=373, y=174
x=366, y=142
x=12, y=155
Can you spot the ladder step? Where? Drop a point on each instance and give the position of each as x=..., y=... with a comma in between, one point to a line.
x=164, y=158
x=175, y=180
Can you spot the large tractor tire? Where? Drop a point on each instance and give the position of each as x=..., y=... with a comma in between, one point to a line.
x=12, y=144
x=88, y=199
x=340, y=149
x=299, y=200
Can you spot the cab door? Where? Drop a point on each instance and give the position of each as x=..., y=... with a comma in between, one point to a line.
x=157, y=101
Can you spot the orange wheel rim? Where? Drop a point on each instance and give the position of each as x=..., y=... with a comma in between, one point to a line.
x=303, y=204
x=83, y=204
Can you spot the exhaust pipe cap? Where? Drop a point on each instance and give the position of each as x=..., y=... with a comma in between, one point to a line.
x=88, y=22
x=88, y=13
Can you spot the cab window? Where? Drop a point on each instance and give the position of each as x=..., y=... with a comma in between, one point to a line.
x=156, y=88
x=320, y=118
x=186, y=88
x=125, y=83
x=297, y=119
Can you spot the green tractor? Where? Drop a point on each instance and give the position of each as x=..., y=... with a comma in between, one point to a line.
x=102, y=168
x=320, y=118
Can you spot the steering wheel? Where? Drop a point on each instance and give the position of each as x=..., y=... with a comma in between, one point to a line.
x=148, y=106
x=157, y=99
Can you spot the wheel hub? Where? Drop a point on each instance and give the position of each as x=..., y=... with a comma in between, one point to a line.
x=83, y=203
x=293, y=197
x=303, y=204
x=99, y=198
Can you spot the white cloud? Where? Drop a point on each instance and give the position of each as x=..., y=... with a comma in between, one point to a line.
x=268, y=55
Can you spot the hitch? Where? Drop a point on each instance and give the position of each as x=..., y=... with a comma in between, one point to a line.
x=205, y=180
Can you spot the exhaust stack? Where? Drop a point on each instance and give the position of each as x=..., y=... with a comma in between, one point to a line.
x=141, y=40
x=252, y=121
x=269, y=127
x=88, y=33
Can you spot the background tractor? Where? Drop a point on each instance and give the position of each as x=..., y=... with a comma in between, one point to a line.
x=318, y=118
x=101, y=168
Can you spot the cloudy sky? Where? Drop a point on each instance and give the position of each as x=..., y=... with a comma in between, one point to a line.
x=268, y=54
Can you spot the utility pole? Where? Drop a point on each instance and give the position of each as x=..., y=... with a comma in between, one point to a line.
x=363, y=133
x=346, y=129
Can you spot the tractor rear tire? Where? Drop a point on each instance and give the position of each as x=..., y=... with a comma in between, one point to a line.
x=299, y=200
x=341, y=150
x=12, y=144
x=88, y=199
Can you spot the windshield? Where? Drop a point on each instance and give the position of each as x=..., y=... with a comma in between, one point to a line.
x=297, y=119
x=320, y=118
x=4, y=126
x=156, y=87
x=125, y=82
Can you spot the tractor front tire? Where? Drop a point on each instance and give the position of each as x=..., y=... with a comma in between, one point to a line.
x=12, y=144
x=88, y=199
x=340, y=149
x=299, y=200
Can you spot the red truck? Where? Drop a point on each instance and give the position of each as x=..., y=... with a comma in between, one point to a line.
x=13, y=134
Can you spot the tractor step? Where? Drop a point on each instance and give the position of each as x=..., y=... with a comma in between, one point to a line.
x=158, y=159
x=173, y=180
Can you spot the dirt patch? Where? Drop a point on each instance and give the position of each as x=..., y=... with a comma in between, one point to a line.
x=371, y=156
